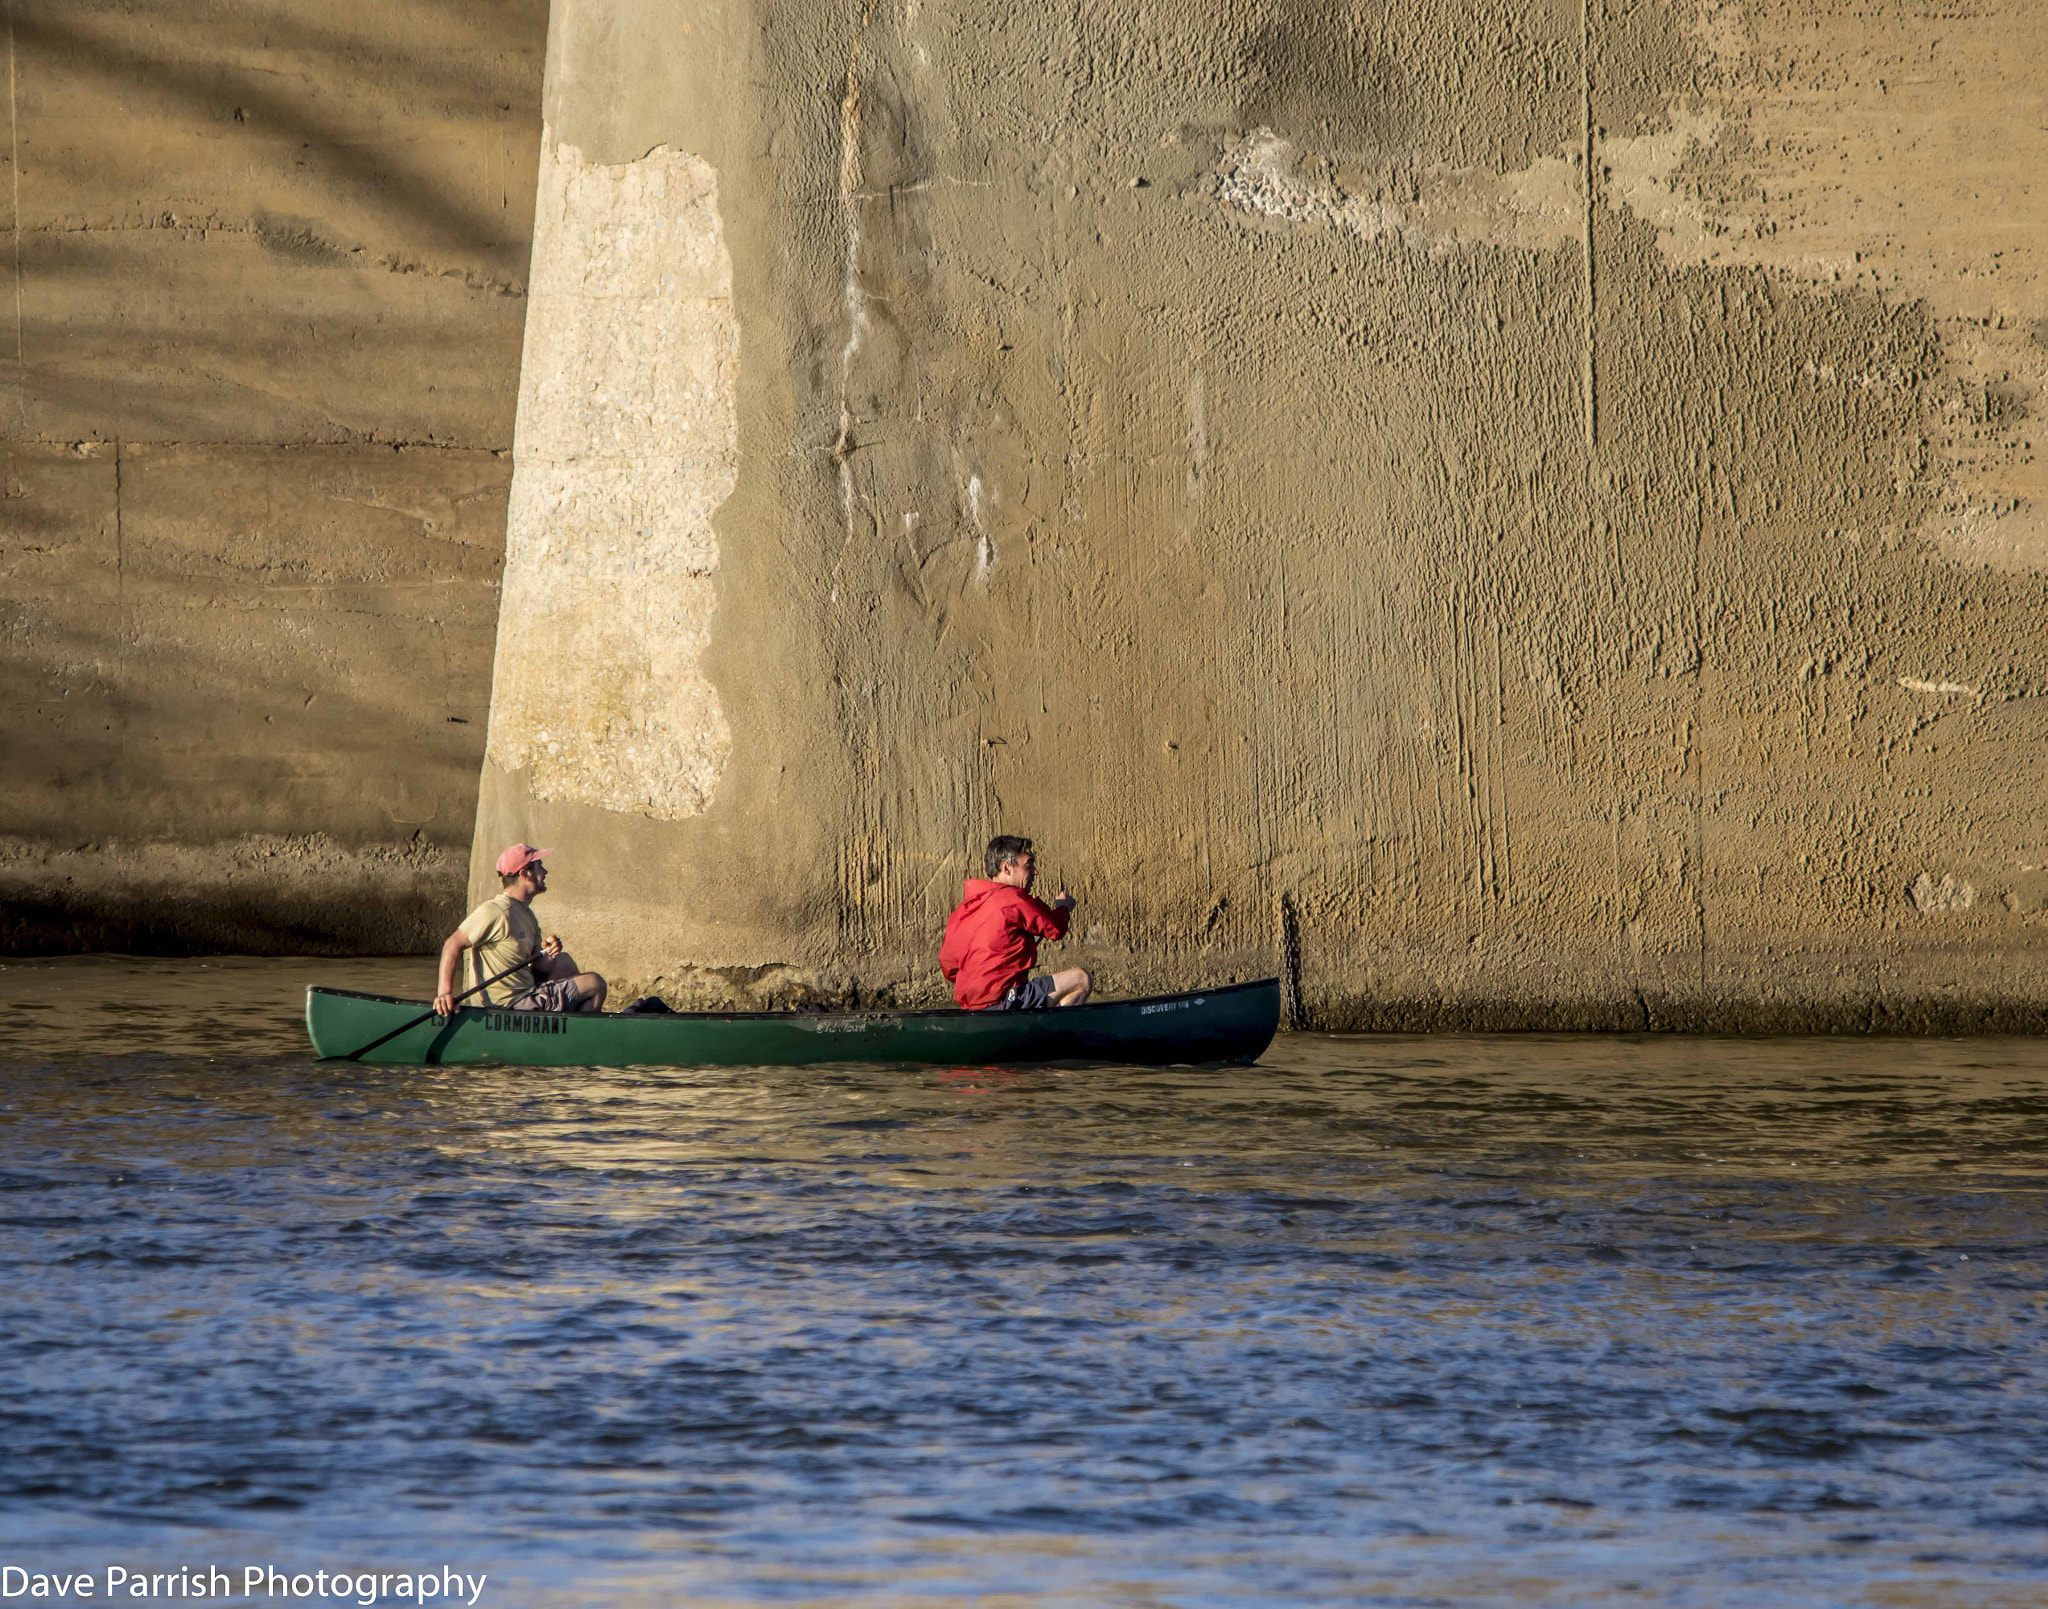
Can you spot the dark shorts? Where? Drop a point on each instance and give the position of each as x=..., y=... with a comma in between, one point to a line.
x=1031, y=994
x=559, y=995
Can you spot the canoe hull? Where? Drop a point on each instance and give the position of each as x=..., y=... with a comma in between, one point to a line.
x=1234, y=1023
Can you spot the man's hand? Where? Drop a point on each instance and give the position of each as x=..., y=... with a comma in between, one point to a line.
x=550, y=947
x=444, y=1004
x=1063, y=901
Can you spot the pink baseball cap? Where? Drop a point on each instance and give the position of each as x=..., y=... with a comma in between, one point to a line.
x=519, y=857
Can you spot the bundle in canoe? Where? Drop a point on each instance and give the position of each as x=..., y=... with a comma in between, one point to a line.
x=1231, y=1024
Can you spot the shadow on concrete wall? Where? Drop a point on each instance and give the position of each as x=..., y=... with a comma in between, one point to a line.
x=414, y=188
x=291, y=240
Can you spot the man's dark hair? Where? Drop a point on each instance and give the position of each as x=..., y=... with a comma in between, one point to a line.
x=507, y=879
x=1001, y=851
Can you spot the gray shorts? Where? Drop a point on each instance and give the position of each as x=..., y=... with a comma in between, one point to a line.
x=1033, y=994
x=559, y=995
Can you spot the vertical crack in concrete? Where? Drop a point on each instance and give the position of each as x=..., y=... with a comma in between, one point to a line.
x=1586, y=156
x=14, y=162
x=1631, y=959
x=1699, y=753
x=1500, y=770
x=855, y=299
x=120, y=593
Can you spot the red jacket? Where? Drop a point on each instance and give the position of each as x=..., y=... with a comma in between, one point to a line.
x=992, y=940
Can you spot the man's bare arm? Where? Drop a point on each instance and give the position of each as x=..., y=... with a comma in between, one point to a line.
x=1054, y=922
x=444, y=984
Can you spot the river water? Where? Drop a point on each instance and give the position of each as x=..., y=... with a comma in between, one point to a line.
x=1528, y=1320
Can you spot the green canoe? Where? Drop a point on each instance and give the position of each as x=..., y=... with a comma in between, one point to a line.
x=1231, y=1024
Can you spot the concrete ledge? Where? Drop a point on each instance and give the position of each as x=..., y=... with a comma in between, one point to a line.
x=1826, y=994
x=255, y=895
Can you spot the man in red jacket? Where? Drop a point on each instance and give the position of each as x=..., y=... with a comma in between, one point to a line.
x=992, y=938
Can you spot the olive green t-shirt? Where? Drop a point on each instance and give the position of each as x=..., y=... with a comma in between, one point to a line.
x=501, y=931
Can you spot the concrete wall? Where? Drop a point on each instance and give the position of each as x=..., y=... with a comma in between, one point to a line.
x=258, y=360
x=1243, y=448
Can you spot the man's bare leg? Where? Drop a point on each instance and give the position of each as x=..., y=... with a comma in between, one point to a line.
x=590, y=988
x=1071, y=987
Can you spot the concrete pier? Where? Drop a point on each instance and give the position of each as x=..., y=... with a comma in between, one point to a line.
x=1523, y=518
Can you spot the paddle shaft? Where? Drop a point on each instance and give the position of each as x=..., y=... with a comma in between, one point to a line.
x=364, y=1050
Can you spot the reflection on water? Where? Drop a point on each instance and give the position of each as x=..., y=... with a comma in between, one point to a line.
x=1531, y=1320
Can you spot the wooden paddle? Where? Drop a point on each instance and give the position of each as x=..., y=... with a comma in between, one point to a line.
x=364, y=1050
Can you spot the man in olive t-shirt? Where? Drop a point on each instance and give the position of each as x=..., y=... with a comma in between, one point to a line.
x=501, y=933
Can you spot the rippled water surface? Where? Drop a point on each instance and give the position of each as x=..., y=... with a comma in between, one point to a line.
x=1394, y=1321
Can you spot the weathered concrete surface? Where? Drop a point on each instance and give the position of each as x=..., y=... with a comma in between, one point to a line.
x=627, y=446
x=257, y=372
x=1254, y=451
